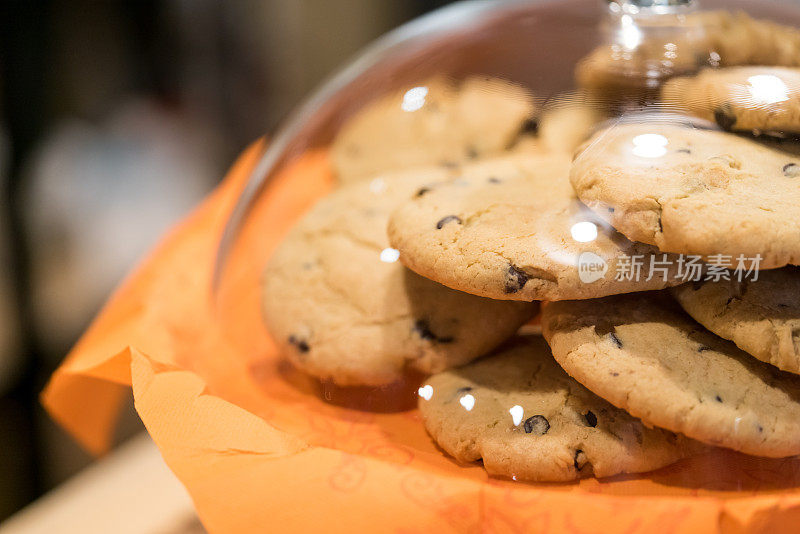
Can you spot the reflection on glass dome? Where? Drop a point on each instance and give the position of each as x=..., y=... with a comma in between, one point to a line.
x=652, y=154
x=650, y=145
x=767, y=89
x=426, y=392
x=377, y=186
x=630, y=34
x=414, y=99
x=517, y=414
x=467, y=401
x=584, y=231
x=390, y=255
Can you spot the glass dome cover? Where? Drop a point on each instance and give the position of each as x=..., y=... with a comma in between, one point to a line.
x=563, y=231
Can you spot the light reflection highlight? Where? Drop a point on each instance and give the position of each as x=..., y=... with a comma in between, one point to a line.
x=630, y=34
x=767, y=89
x=650, y=145
x=426, y=392
x=467, y=401
x=517, y=413
x=377, y=186
x=584, y=232
x=414, y=99
x=390, y=255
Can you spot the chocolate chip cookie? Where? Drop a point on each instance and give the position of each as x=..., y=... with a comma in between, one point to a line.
x=693, y=191
x=434, y=123
x=643, y=354
x=751, y=99
x=527, y=419
x=739, y=39
x=512, y=229
x=562, y=126
x=634, y=71
x=762, y=317
x=344, y=309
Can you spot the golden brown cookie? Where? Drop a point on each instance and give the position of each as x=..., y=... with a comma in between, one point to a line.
x=693, y=191
x=344, y=309
x=762, y=317
x=643, y=354
x=747, y=99
x=434, y=123
x=512, y=229
x=527, y=419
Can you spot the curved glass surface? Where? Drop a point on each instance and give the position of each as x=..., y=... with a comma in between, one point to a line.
x=628, y=169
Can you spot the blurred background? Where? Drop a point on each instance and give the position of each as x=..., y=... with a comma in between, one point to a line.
x=117, y=118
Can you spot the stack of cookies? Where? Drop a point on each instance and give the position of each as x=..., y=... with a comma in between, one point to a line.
x=659, y=247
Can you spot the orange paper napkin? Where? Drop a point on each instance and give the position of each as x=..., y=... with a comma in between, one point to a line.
x=263, y=448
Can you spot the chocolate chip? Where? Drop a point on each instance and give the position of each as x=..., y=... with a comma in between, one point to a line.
x=684, y=151
x=515, y=280
x=422, y=191
x=579, y=461
x=614, y=373
x=465, y=389
x=447, y=164
x=591, y=419
x=604, y=327
x=718, y=398
x=449, y=218
x=423, y=329
x=537, y=424
x=299, y=343
x=703, y=349
x=660, y=226
x=494, y=180
x=530, y=126
x=724, y=117
x=611, y=210
x=760, y=428
x=472, y=153
x=791, y=170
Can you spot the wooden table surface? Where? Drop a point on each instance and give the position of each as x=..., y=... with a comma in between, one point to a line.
x=131, y=491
